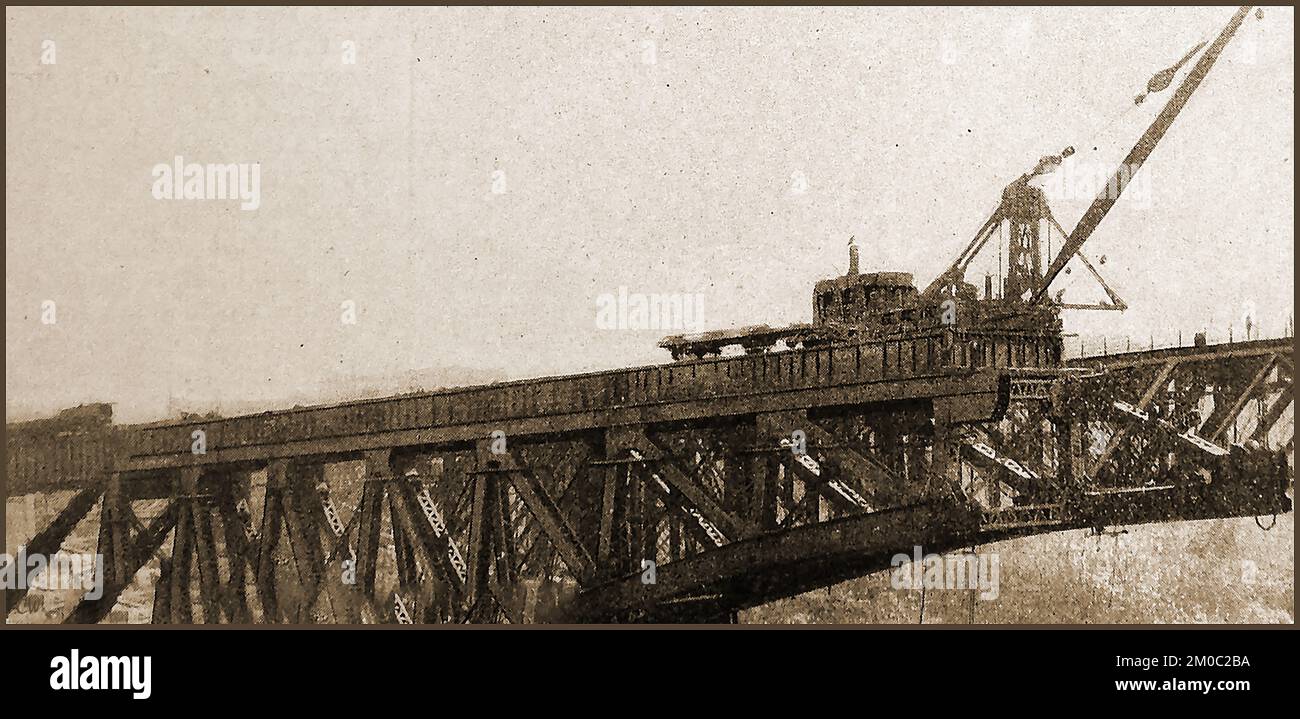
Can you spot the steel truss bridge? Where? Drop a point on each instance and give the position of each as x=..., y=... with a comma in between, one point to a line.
x=742, y=479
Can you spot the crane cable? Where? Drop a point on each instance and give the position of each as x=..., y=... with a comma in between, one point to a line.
x=1130, y=108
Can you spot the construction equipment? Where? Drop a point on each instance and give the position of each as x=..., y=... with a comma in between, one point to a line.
x=856, y=307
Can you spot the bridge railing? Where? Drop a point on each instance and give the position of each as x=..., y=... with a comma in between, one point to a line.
x=933, y=354
x=1086, y=346
x=696, y=380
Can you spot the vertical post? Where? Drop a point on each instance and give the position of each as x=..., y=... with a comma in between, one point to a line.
x=785, y=489
x=205, y=546
x=650, y=519
x=303, y=534
x=403, y=551
x=162, y=609
x=377, y=473
x=1066, y=466
x=637, y=499
x=479, y=537
x=185, y=488
x=674, y=537
x=612, y=508
x=944, y=464
x=269, y=540
x=503, y=548
x=234, y=525
x=114, y=536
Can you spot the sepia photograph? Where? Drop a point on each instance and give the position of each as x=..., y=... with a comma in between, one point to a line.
x=672, y=316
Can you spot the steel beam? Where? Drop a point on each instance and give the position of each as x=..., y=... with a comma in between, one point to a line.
x=182, y=609
x=209, y=576
x=782, y=564
x=1230, y=417
x=145, y=544
x=377, y=473
x=48, y=541
x=982, y=392
x=268, y=541
x=1161, y=380
x=547, y=514
x=304, y=538
x=238, y=548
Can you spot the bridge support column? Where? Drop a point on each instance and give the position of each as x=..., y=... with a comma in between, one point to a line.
x=766, y=470
x=479, y=550
x=408, y=579
x=114, y=530
x=239, y=544
x=737, y=488
x=193, y=539
x=268, y=538
x=131, y=553
x=507, y=468
x=162, y=608
x=945, y=467
x=206, y=552
x=301, y=507
x=178, y=591
x=679, y=490
x=613, y=549
x=377, y=472
x=1068, y=452
x=432, y=572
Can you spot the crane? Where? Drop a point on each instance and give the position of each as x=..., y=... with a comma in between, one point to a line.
x=1023, y=206
x=876, y=305
x=1109, y=194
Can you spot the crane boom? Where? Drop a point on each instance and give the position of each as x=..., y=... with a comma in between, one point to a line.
x=1129, y=167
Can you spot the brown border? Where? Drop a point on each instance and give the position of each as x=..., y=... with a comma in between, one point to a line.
x=4, y=626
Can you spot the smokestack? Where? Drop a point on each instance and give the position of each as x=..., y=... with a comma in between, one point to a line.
x=853, y=257
x=988, y=286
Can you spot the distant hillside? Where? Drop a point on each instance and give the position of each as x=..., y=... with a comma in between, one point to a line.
x=336, y=389
x=345, y=388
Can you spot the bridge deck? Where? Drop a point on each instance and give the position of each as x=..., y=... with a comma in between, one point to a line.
x=698, y=482
x=942, y=364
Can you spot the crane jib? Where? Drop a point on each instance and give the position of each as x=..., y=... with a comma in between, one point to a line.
x=1130, y=165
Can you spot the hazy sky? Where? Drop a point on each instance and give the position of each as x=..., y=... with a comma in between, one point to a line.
x=652, y=149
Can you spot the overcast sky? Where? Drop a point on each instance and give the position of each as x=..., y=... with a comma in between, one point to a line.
x=654, y=149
